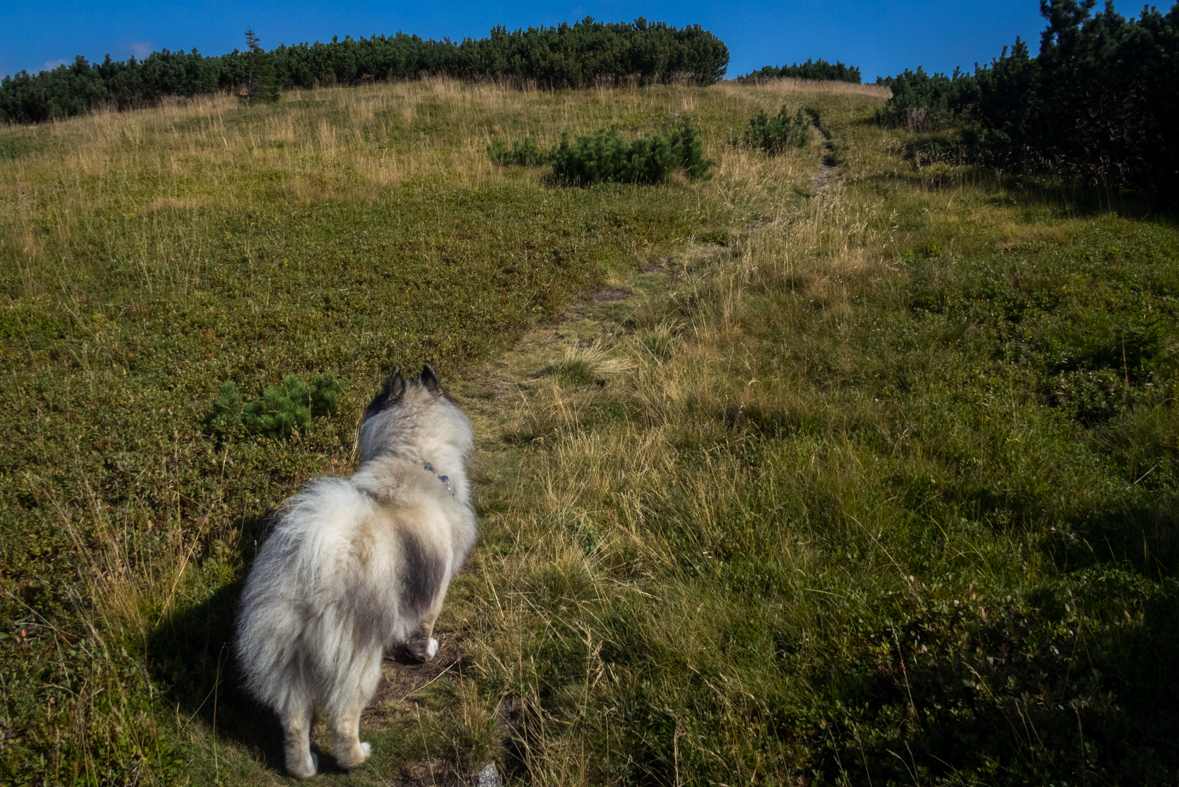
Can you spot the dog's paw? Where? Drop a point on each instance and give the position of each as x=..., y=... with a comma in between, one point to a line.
x=308, y=768
x=424, y=651
x=358, y=756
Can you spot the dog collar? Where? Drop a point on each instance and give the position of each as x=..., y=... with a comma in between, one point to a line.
x=443, y=478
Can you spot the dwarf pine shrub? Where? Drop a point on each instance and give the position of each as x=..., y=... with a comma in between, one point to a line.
x=607, y=157
x=283, y=409
x=688, y=148
x=776, y=134
x=1099, y=99
x=812, y=69
x=227, y=409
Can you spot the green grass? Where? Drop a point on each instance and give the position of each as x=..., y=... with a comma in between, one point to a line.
x=876, y=484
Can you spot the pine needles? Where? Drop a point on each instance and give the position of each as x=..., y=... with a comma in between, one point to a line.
x=283, y=410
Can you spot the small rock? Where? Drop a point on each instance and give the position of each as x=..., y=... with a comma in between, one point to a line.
x=489, y=777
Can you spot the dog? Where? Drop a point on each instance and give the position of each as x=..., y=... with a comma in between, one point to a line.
x=356, y=565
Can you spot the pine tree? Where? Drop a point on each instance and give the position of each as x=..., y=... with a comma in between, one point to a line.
x=261, y=79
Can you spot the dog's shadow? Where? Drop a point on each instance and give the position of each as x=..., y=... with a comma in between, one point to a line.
x=190, y=657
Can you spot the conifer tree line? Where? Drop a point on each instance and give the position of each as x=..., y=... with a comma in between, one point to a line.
x=565, y=56
x=1101, y=98
x=811, y=69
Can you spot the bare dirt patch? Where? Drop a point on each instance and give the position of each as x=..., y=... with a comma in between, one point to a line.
x=611, y=294
x=827, y=172
x=402, y=675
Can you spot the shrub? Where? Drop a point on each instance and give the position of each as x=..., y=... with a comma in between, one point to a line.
x=922, y=102
x=811, y=69
x=564, y=56
x=227, y=409
x=776, y=134
x=1099, y=99
x=261, y=80
x=606, y=157
x=689, y=151
x=283, y=409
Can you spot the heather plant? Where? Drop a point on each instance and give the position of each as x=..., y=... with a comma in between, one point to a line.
x=778, y=133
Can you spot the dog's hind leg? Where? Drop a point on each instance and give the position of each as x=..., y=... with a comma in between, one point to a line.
x=296, y=726
x=345, y=709
x=421, y=645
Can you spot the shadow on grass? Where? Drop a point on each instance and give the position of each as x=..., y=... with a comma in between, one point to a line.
x=943, y=163
x=191, y=654
x=1073, y=682
x=1142, y=537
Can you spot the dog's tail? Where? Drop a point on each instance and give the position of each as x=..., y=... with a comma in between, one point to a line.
x=309, y=624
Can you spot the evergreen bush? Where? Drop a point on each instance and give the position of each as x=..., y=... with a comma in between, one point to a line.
x=261, y=80
x=778, y=133
x=284, y=408
x=923, y=102
x=565, y=56
x=606, y=157
x=1100, y=99
x=811, y=69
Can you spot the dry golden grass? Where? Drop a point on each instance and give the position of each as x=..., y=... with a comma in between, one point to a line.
x=587, y=507
x=750, y=423
x=815, y=87
x=335, y=143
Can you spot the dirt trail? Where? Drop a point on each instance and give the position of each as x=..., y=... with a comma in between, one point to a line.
x=827, y=166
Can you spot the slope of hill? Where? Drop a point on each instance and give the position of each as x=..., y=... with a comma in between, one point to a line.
x=776, y=484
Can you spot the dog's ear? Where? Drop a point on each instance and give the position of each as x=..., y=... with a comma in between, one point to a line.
x=389, y=395
x=430, y=380
x=394, y=387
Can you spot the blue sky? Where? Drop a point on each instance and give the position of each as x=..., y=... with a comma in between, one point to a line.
x=881, y=37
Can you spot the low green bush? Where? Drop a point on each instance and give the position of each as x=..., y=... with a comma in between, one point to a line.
x=607, y=157
x=778, y=133
x=1097, y=100
x=283, y=409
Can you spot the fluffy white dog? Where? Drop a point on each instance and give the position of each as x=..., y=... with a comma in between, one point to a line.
x=358, y=564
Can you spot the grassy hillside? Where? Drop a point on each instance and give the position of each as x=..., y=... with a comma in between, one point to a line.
x=863, y=483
